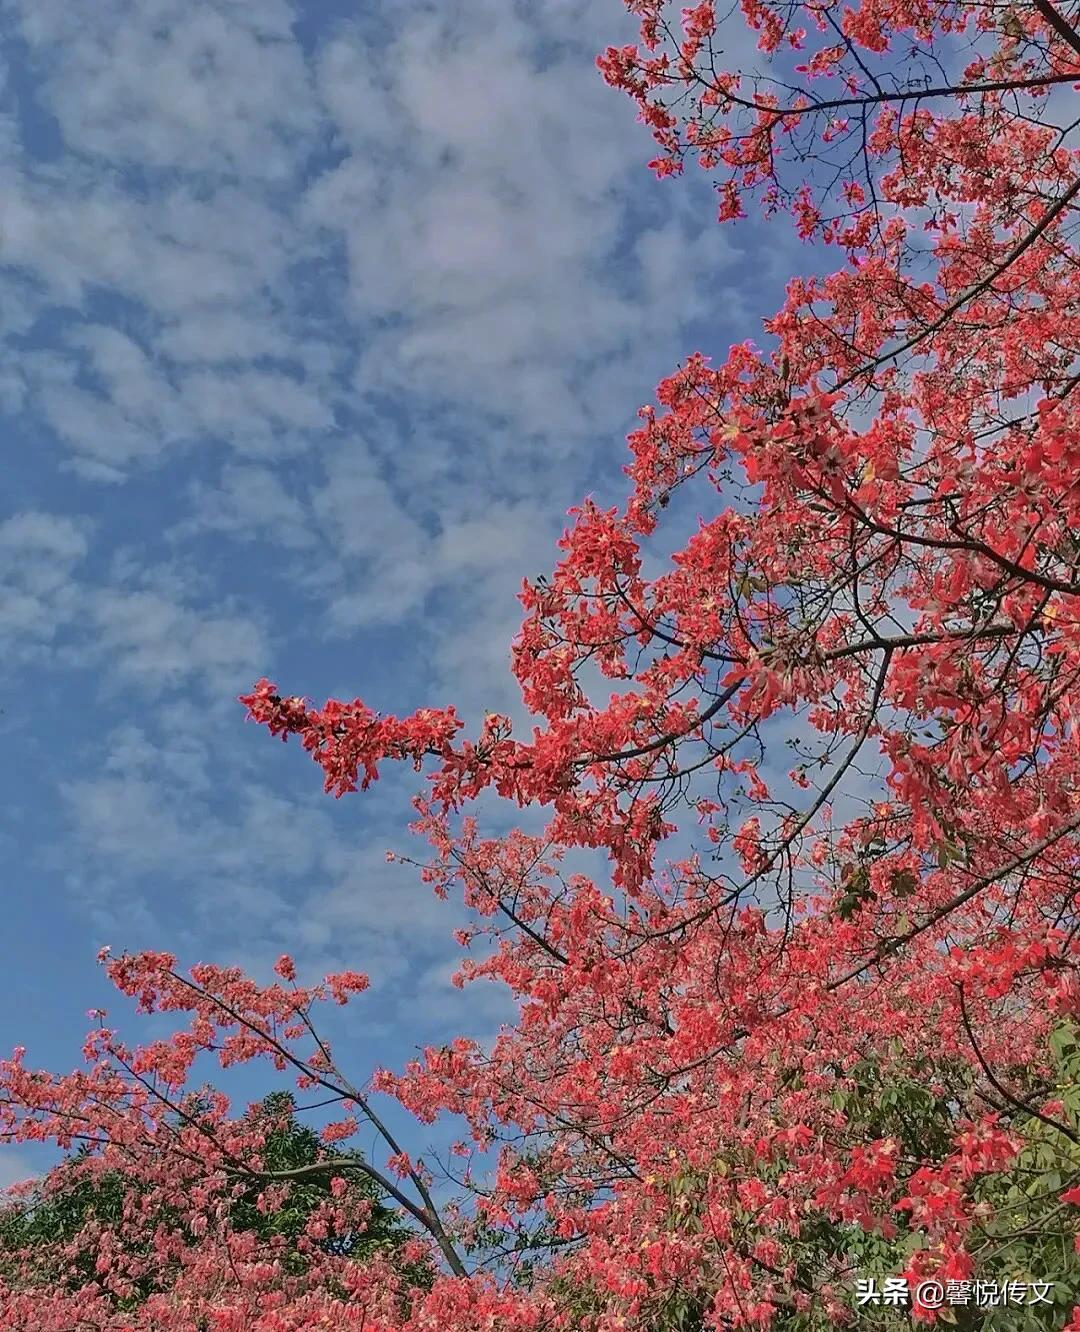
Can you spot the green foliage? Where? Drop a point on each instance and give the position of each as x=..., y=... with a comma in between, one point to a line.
x=51, y=1221
x=291, y=1145
x=77, y=1202
x=1024, y=1232
x=1030, y=1234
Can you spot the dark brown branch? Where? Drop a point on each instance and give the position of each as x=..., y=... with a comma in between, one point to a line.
x=1064, y=30
x=909, y=95
x=427, y=1214
x=834, y=654
x=339, y=1165
x=1025, y=1106
x=969, y=293
x=972, y=544
x=893, y=945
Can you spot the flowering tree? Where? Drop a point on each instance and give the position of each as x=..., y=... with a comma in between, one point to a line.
x=817, y=1016
x=51, y=1233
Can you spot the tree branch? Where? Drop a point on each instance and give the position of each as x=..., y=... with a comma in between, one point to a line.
x=969, y=293
x=1064, y=30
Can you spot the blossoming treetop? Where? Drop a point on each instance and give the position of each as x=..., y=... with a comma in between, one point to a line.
x=835, y=774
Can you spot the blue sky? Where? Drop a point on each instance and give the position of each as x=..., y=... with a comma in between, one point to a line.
x=316, y=319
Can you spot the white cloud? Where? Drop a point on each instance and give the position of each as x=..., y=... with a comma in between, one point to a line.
x=237, y=406
x=375, y=310
x=249, y=502
x=216, y=87
x=494, y=287
x=214, y=335
x=38, y=554
x=182, y=249
x=377, y=568
x=255, y=872
x=155, y=628
x=148, y=638
x=482, y=210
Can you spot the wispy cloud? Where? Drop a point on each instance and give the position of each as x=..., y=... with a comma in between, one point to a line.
x=482, y=209
x=219, y=87
x=152, y=627
x=39, y=553
x=346, y=310
x=244, y=872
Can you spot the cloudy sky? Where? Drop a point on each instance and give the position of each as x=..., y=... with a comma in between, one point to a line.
x=316, y=318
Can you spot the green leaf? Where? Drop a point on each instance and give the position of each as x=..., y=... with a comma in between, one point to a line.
x=1062, y=1041
x=903, y=883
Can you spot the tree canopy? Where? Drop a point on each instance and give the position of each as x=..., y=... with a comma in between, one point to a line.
x=816, y=1019
x=55, y=1231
